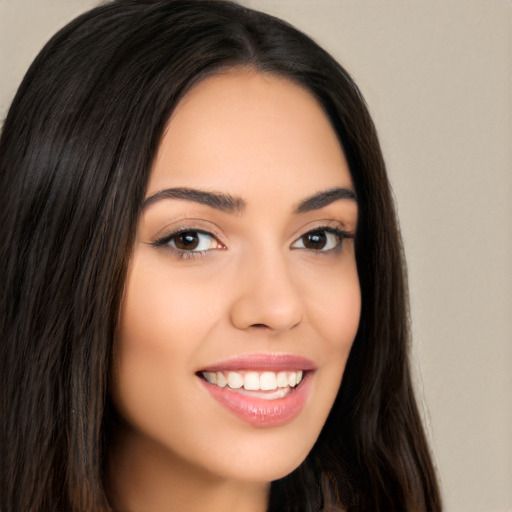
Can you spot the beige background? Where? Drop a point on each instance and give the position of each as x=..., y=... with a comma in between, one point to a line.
x=437, y=75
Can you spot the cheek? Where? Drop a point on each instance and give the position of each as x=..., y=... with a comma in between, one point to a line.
x=334, y=308
x=334, y=305
x=160, y=308
x=158, y=336
x=341, y=315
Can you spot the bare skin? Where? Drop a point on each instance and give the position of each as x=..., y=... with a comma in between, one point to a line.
x=244, y=248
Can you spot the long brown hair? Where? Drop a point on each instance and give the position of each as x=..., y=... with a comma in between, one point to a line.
x=76, y=151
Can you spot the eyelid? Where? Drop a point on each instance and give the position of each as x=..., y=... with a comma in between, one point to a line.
x=329, y=224
x=184, y=222
x=337, y=231
x=164, y=240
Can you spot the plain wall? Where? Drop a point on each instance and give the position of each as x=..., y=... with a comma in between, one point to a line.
x=438, y=79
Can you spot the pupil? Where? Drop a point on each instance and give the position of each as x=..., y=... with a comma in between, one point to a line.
x=188, y=240
x=315, y=240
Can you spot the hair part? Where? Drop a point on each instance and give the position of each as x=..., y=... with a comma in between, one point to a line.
x=76, y=152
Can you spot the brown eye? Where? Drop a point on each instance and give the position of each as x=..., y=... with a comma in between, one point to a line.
x=190, y=241
x=186, y=241
x=320, y=240
x=315, y=240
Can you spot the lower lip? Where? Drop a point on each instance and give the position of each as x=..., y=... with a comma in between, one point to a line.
x=260, y=412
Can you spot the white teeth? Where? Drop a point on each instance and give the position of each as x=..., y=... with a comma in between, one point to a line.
x=268, y=381
x=235, y=380
x=210, y=377
x=254, y=381
x=221, y=380
x=282, y=380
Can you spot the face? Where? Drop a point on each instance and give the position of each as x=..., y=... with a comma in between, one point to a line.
x=242, y=298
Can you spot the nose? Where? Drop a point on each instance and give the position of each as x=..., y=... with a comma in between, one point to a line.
x=267, y=296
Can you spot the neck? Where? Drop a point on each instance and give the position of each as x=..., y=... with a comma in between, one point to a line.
x=144, y=476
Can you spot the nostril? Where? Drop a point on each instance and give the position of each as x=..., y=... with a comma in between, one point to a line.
x=263, y=308
x=260, y=326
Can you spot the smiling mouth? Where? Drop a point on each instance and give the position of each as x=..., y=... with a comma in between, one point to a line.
x=262, y=390
x=262, y=398
x=267, y=385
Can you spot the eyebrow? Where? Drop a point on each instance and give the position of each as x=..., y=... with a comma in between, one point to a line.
x=324, y=198
x=217, y=200
x=234, y=204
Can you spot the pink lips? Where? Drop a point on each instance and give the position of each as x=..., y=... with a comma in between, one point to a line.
x=256, y=411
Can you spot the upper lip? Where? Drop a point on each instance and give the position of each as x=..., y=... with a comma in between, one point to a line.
x=270, y=362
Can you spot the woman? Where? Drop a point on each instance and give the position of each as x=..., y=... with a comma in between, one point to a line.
x=199, y=246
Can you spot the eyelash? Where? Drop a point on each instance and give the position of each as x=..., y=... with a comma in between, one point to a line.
x=338, y=233
x=189, y=254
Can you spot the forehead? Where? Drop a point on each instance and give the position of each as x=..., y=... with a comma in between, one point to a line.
x=242, y=129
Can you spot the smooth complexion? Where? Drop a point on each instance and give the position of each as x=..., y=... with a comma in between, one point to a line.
x=244, y=251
